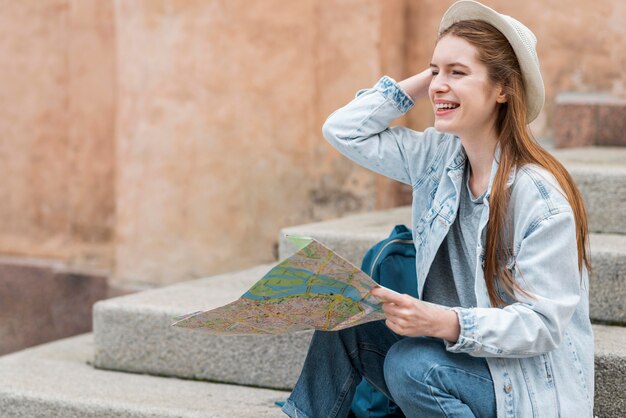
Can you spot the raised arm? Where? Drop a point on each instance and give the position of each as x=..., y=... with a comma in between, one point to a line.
x=360, y=130
x=417, y=85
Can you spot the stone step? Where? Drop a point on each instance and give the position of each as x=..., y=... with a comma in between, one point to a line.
x=353, y=235
x=133, y=333
x=600, y=173
x=30, y=386
x=607, y=301
x=125, y=326
x=610, y=371
x=56, y=380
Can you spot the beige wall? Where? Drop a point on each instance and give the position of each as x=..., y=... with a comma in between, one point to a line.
x=218, y=133
x=56, y=127
x=167, y=140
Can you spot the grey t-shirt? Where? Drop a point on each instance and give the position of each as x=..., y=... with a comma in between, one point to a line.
x=450, y=280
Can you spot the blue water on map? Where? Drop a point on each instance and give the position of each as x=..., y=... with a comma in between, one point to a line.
x=283, y=282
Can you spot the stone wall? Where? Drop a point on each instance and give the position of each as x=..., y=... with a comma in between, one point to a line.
x=165, y=140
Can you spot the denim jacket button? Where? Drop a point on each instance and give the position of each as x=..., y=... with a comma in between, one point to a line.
x=508, y=388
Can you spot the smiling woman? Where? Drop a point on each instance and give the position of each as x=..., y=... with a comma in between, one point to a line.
x=458, y=77
x=501, y=240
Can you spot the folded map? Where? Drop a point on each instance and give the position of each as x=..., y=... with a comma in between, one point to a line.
x=313, y=289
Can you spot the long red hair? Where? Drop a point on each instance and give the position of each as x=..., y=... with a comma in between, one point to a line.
x=518, y=147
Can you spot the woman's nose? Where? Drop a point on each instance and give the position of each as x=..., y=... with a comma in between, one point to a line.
x=438, y=83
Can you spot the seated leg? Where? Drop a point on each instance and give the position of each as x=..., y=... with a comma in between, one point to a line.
x=427, y=381
x=333, y=368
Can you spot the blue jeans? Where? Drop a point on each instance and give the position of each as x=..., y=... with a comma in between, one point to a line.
x=418, y=374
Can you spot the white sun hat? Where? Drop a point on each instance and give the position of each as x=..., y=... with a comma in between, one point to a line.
x=521, y=38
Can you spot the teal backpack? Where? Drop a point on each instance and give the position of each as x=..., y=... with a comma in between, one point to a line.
x=391, y=262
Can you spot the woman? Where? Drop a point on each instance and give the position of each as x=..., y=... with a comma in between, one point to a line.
x=501, y=237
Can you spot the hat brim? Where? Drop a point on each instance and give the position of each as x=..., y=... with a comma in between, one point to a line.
x=529, y=65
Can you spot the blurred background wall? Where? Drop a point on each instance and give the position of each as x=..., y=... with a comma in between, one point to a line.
x=58, y=107
x=155, y=141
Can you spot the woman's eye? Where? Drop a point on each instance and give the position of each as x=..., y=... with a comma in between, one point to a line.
x=435, y=73
x=458, y=72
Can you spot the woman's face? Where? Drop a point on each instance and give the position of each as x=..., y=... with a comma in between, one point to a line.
x=464, y=99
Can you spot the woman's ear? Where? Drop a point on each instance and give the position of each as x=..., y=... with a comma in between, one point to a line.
x=502, y=97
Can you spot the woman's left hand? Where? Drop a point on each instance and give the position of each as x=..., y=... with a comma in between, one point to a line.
x=411, y=317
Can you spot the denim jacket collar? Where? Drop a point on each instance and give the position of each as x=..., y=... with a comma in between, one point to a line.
x=457, y=163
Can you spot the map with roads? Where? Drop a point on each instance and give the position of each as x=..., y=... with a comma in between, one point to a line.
x=313, y=289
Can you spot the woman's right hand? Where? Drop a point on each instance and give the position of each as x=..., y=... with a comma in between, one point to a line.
x=417, y=86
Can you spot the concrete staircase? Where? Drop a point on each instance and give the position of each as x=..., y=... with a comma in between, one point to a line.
x=88, y=375
x=58, y=380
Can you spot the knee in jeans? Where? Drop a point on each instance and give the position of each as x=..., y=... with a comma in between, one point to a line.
x=409, y=362
x=396, y=367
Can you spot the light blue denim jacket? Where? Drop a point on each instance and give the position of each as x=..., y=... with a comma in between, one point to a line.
x=540, y=348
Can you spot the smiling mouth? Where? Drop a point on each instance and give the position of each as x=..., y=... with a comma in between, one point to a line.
x=446, y=106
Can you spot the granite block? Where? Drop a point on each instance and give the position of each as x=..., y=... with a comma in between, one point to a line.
x=57, y=380
x=133, y=333
x=30, y=386
x=600, y=174
x=610, y=371
x=607, y=301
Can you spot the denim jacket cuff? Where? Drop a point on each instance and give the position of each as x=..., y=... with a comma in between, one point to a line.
x=388, y=87
x=469, y=340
